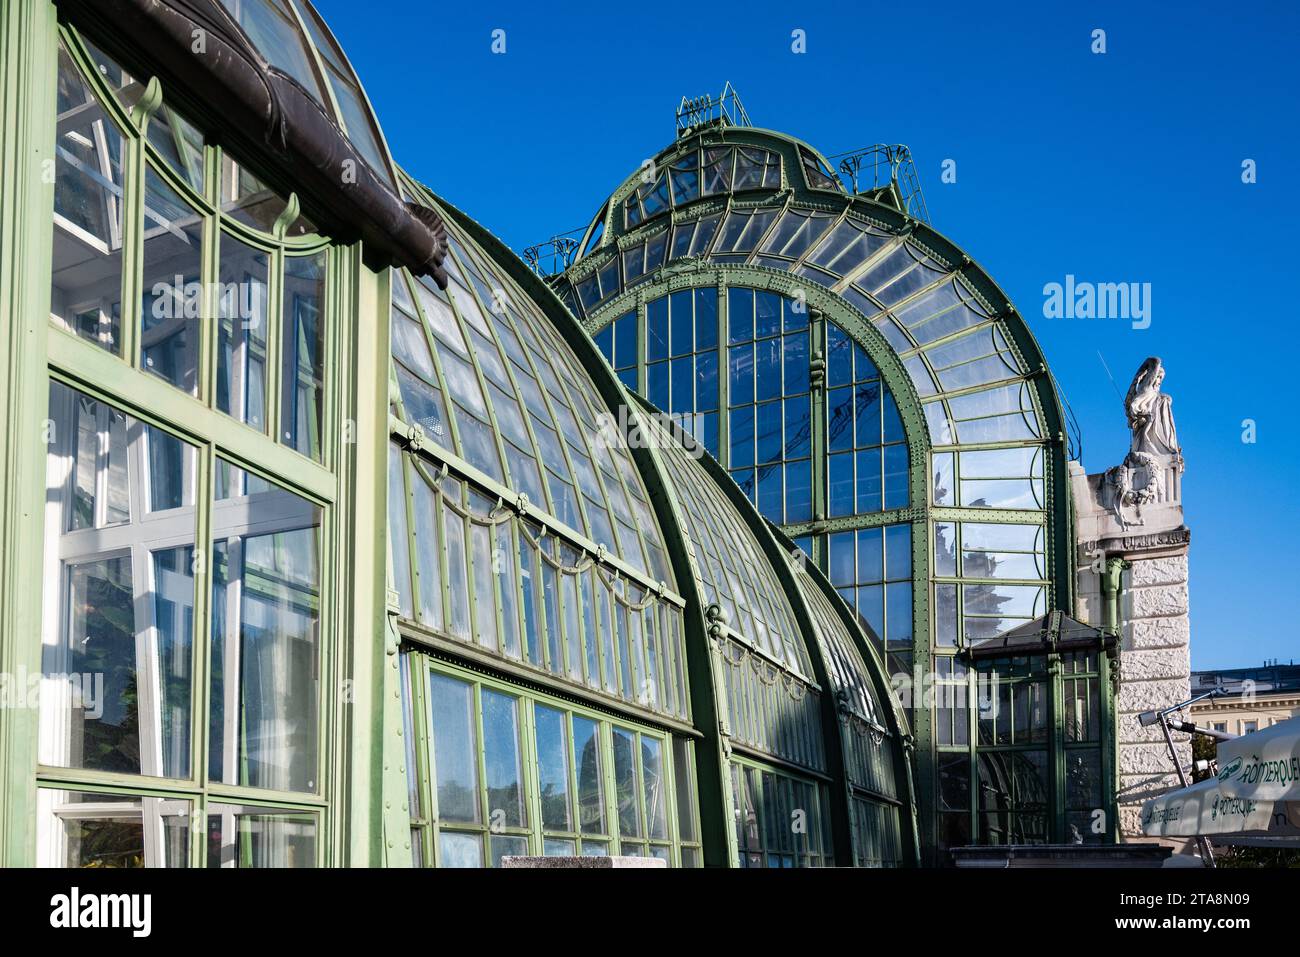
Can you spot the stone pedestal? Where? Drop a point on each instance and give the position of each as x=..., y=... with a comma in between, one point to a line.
x=1153, y=624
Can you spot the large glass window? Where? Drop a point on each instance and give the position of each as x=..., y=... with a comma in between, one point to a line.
x=496, y=753
x=117, y=654
x=264, y=724
x=990, y=478
x=762, y=363
x=770, y=408
x=174, y=311
x=241, y=331
x=178, y=293
x=872, y=569
x=780, y=820
x=488, y=577
x=1011, y=754
x=127, y=495
x=867, y=461
x=255, y=836
x=514, y=390
x=997, y=574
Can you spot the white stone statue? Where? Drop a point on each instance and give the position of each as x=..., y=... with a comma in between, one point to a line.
x=1153, y=449
x=1150, y=412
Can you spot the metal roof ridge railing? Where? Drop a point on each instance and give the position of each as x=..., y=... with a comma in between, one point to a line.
x=694, y=112
x=885, y=167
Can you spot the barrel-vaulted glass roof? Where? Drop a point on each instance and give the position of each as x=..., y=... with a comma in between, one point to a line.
x=730, y=565
x=772, y=702
x=485, y=377
x=291, y=36
x=535, y=541
x=538, y=470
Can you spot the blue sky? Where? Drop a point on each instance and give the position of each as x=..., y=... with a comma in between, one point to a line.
x=1119, y=167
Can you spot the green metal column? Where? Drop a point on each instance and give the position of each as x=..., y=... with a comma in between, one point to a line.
x=817, y=394
x=1112, y=582
x=368, y=674
x=28, y=70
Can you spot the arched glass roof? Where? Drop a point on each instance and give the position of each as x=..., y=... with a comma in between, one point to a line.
x=869, y=762
x=291, y=36
x=730, y=565
x=772, y=702
x=971, y=382
x=938, y=342
x=580, y=501
x=486, y=378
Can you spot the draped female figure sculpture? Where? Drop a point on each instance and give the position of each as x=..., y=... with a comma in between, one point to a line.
x=1153, y=449
x=1150, y=413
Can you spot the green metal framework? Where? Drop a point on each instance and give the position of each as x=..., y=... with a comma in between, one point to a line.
x=718, y=619
x=992, y=544
x=301, y=489
x=109, y=147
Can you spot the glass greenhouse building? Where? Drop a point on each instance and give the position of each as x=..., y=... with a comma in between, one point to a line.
x=333, y=534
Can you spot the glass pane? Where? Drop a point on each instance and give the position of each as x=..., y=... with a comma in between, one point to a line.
x=591, y=784
x=486, y=630
x=174, y=307
x=398, y=550
x=180, y=144
x=85, y=829
x=683, y=767
x=302, y=370
x=260, y=837
x=553, y=847
x=264, y=724
x=117, y=658
x=86, y=287
x=428, y=552
x=460, y=850
x=455, y=748
x=501, y=760
x=246, y=198
x=553, y=769
x=508, y=846
x=241, y=332
x=625, y=783
x=652, y=785
x=453, y=525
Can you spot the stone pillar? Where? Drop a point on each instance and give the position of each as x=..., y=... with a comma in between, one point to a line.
x=1155, y=662
x=1134, y=513
x=1155, y=668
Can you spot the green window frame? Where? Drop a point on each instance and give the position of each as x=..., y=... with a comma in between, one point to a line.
x=763, y=799
x=163, y=182
x=603, y=794
x=176, y=204
x=252, y=789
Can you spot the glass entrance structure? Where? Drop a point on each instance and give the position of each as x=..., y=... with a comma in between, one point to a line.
x=330, y=538
x=876, y=396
